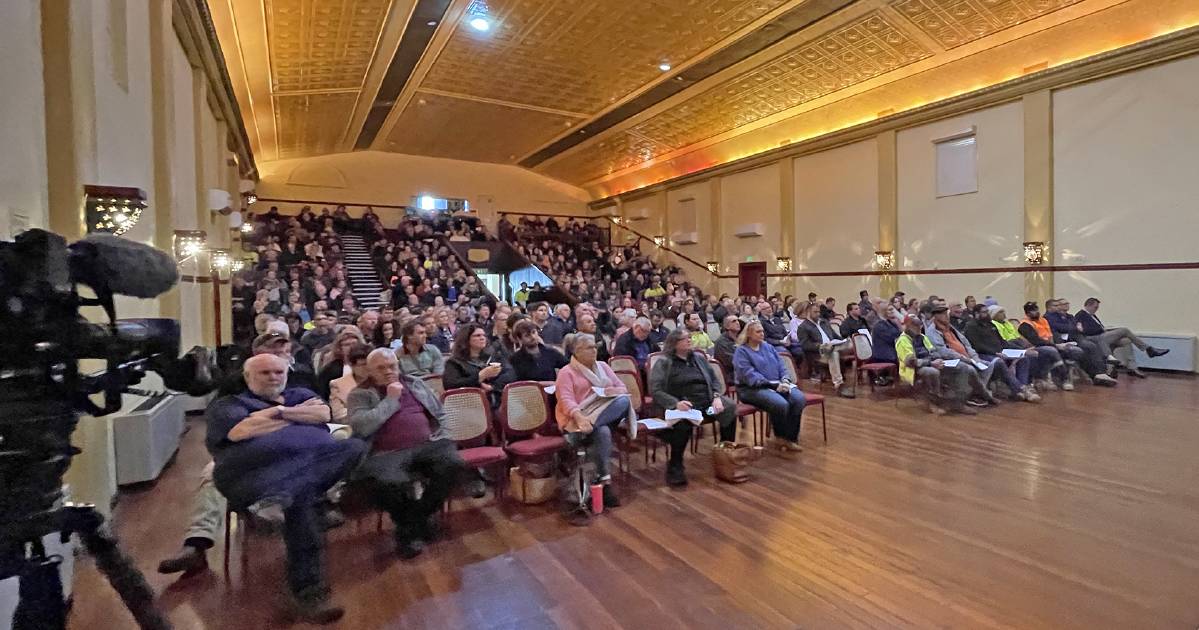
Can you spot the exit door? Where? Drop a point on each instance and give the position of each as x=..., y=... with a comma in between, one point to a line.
x=751, y=278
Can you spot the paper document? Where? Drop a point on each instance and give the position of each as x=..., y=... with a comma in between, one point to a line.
x=863, y=331
x=599, y=391
x=694, y=416
x=1013, y=353
x=550, y=389
x=653, y=424
x=951, y=363
x=339, y=431
x=982, y=366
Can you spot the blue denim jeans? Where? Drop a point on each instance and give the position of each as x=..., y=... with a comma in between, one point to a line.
x=785, y=410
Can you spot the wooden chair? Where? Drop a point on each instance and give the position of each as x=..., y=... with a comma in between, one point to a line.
x=742, y=409
x=863, y=352
x=524, y=420
x=468, y=420
x=623, y=362
x=435, y=384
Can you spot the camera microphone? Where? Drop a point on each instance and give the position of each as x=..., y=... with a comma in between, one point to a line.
x=111, y=263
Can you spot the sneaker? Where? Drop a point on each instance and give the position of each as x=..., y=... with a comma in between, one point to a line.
x=974, y=402
x=845, y=392
x=1067, y=386
x=610, y=498
x=1030, y=394
x=313, y=606
x=675, y=475
x=1112, y=360
x=936, y=410
x=966, y=410
x=267, y=514
x=1156, y=352
x=1047, y=385
x=1104, y=380
x=1137, y=373
x=476, y=489
x=190, y=561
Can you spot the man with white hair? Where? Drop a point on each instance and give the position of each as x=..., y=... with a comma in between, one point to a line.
x=557, y=326
x=635, y=343
x=273, y=450
x=401, y=419
x=368, y=321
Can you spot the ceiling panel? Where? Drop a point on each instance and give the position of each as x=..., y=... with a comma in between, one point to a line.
x=446, y=126
x=582, y=56
x=953, y=23
x=864, y=49
x=312, y=124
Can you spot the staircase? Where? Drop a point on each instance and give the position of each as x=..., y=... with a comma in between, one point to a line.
x=364, y=280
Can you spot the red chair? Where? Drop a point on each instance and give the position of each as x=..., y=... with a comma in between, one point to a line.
x=743, y=409
x=863, y=352
x=524, y=422
x=622, y=362
x=811, y=399
x=468, y=420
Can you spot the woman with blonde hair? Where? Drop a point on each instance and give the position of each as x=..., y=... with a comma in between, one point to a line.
x=763, y=382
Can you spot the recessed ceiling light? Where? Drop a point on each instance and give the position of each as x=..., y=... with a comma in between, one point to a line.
x=480, y=24
x=664, y=67
x=431, y=23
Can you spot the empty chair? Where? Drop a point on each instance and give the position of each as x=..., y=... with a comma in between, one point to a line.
x=468, y=420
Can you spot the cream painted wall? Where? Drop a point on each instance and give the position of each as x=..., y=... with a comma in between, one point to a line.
x=366, y=177
x=700, y=218
x=23, y=160
x=836, y=226
x=750, y=197
x=983, y=229
x=1126, y=157
x=183, y=188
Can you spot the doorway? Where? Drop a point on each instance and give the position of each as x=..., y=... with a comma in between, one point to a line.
x=751, y=278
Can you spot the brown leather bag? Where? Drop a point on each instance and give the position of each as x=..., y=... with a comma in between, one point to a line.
x=730, y=461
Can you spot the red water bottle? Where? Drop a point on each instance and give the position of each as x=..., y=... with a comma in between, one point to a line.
x=597, y=498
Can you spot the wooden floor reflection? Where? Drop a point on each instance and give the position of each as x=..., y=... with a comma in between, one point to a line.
x=1082, y=512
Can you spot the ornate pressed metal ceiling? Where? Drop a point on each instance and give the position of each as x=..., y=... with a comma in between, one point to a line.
x=575, y=90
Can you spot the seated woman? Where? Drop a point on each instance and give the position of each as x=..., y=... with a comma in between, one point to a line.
x=385, y=335
x=470, y=365
x=340, y=388
x=685, y=380
x=333, y=362
x=591, y=401
x=762, y=382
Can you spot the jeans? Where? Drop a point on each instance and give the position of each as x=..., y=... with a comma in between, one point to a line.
x=300, y=483
x=785, y=410
x=436, y=464
x=599, y=441
x=1015, y=376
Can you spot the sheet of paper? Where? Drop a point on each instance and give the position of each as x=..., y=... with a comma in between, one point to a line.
x=674, y=415
x=550, y=389
x=982, y=366
x=653, y=424
x=863, y=331
x=950, y=363
x=1013, y=353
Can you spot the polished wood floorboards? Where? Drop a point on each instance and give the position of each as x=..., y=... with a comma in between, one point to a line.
x=1082, y=512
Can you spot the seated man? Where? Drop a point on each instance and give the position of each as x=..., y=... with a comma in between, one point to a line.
x=726, y=345
x=401, y=418
x=822, y=344
x=657, y=329
x=1036, y=330
x=920, y=366
x=883, y=336
x=273, y=451
x=1118, y=339
x=1065, y=328
x=417, y=357
x=533, y=361
x=985, y=339
x=635, y=343
x=1045, y=359
x=699, y=337
x=853, y=321
x=953, y=344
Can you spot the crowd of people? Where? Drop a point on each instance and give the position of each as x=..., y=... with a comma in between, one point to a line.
x=353, y=402
x=417, y=269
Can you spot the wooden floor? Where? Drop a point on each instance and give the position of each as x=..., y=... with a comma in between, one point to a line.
x=1079, y=513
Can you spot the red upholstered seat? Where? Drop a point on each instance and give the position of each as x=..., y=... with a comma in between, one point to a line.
x=481, y=456
x=745, y=410
x=876, y=367
x=537, y=445
x=813, y=399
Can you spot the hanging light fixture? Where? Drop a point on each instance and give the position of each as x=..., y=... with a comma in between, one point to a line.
x=783, y=264
x=220, y=259
x=884, y=260
x=713, y=266
x=659, y=240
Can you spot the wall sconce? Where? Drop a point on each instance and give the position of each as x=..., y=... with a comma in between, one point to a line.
x=247, y=228
x=884, y=260
x=783, y=263
x=220, y=259
x=237, y=265
x=189, y=243
x=618, y=220
x=659, y=240
x=113, y=209
x=713, y=266
x=1034, y=252
x=251, y=198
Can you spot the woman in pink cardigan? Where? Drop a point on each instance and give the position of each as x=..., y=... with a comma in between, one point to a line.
x=591, y=401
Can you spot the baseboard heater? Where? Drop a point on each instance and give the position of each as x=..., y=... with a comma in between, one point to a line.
x=145, y=437
x=1180, y=359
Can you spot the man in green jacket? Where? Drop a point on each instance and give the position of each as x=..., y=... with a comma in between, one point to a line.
x=919, y=365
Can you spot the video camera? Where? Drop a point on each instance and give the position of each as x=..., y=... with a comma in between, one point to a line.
x=43, y=337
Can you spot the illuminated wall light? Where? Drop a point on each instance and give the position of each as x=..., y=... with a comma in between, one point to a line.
x=659, y=240
x=1034, y=252
x=783, y=264
x=884, y=260
x=237, y=265
x=114, y=210
x=713, y=267
x=247, y=228
x=220, y=259
x=189, y=243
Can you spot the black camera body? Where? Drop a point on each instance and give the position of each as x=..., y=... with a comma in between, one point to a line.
x=43, y=337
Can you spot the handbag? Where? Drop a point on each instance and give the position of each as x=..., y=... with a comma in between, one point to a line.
x=730, y=462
